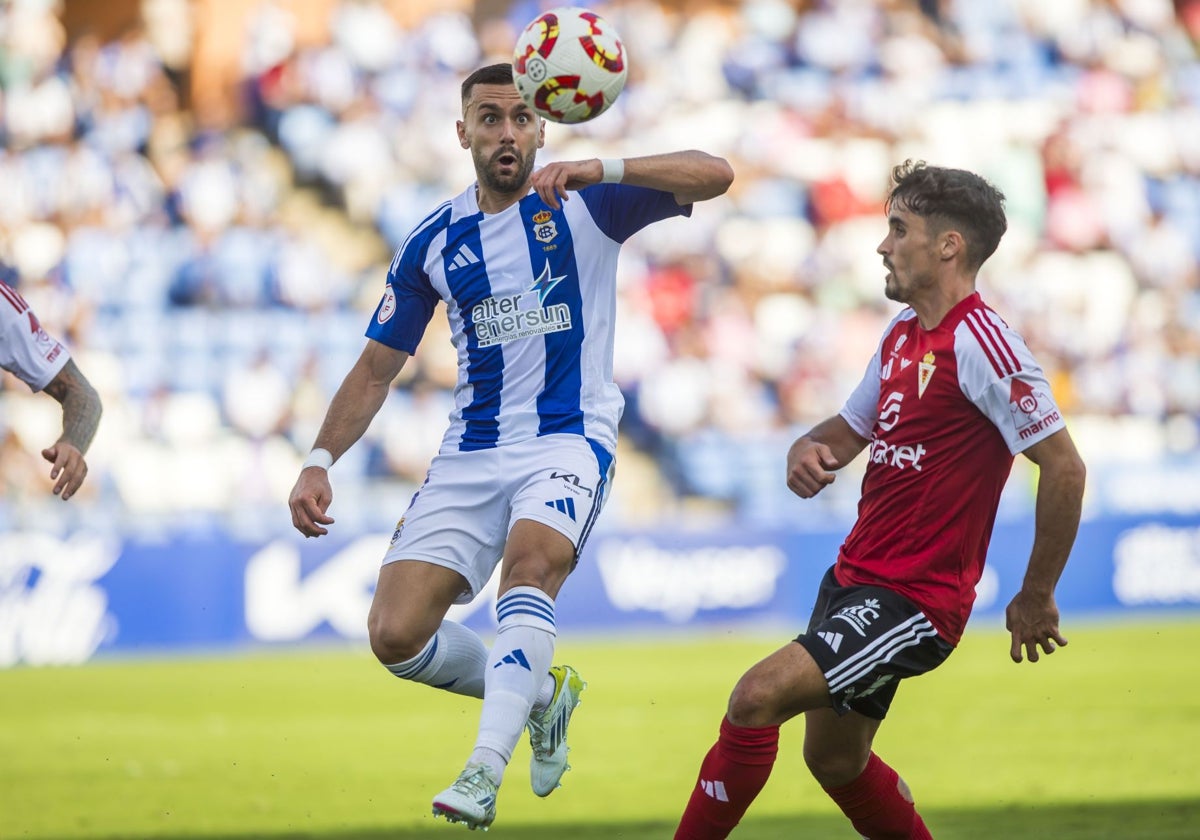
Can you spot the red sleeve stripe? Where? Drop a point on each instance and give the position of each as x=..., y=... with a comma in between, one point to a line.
x=991, y=340
x=10, y=294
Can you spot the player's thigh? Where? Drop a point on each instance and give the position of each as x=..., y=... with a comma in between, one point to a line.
x=785, y=684
x=837, y=747
x=865, y=640
x=458, y=520
x=536, y=555
x=558, y=485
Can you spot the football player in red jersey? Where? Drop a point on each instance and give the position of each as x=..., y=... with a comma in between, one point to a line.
x=950, y=397
x=43, y=363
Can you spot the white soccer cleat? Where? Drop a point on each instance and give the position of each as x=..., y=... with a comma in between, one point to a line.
x=471, y=800
x=548, y=731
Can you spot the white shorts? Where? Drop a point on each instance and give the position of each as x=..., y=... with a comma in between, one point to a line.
x=461, y=516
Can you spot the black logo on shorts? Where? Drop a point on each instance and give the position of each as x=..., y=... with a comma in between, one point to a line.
x=573, y=480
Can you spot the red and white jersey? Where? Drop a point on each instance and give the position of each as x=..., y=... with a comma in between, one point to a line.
x=25, y=348
x=945, y=411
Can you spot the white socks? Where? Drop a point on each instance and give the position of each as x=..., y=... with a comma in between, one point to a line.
x=516, y=673
x=453, y=660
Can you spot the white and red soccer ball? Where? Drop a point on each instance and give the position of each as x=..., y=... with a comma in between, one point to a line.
x=569, y=65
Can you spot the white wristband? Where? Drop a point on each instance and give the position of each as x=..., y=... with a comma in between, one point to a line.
x=614, y=170
x=318, y=458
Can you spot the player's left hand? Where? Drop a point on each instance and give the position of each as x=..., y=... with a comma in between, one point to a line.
x=68, y=470
x=554, y=180
x=1032, y=620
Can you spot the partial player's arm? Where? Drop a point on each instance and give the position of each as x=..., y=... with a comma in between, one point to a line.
x=689, y=175
x=829, y=445
x=1032, y=616
x=355, y=404
x=81, y=416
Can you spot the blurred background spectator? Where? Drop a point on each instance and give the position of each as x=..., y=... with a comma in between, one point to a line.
x=202, y=197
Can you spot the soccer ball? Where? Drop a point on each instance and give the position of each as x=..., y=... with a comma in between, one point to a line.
x=569, y=65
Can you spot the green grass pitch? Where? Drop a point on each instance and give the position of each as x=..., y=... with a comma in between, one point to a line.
x=1101, y=740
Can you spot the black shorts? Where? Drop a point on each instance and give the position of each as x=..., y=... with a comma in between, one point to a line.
x=865, y=639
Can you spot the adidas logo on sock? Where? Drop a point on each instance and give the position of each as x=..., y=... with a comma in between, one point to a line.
x=516, y=657
x=464, y=257
x=834, y=640
x=714, y=790
x=566, y=506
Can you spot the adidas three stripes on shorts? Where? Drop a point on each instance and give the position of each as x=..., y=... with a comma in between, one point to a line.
x=865, y=639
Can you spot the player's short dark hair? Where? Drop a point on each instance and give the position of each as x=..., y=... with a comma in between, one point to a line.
x=952, y=199
x=493, y=74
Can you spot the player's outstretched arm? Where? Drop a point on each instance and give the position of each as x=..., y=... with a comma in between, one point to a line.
x=811, y=460
x=81, y=409
x=355, y=404
x=1032, y=615
x=689, y=175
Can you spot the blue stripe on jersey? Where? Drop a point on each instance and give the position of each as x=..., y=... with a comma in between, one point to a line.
x=559, y=404
x=621, y=210
x=485, y=365
x=415, y=297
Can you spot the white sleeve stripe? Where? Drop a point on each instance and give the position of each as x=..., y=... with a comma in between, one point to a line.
x=1003, y=360
x=983, y=345
x=994, y=326
x=13, y=297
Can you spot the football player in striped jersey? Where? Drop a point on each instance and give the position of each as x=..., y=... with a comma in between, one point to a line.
x=525, y=262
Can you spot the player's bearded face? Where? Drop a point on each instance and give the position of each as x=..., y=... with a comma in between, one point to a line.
x=505, y=170
x=503, y=135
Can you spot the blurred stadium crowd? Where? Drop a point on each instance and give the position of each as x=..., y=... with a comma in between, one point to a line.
x=214, y=276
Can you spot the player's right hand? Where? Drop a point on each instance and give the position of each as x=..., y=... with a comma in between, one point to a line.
x=554, y=180
x=808, y=467
x=69, y=468
x=310, y=499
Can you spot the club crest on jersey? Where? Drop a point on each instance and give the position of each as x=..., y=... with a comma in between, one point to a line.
x=399, y=528
x=925, y=373
x=543, y=226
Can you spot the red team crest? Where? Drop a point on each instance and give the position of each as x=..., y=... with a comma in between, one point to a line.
x=925, y=373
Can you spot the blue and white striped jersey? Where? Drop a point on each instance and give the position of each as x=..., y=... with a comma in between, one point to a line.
x=530, y=293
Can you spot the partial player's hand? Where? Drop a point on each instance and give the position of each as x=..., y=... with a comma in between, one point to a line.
x=1033, y=621
x=808, y=468
x=310, y=499
x=69, y=468
x=554, y=180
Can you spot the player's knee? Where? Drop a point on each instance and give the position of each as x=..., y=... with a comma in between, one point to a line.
x=393, y=642
x=833, y=767
x=753, y=702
